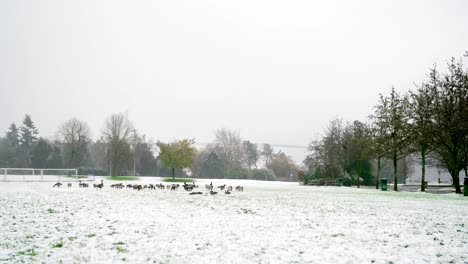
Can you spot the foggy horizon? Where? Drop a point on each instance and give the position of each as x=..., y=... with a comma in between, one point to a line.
x=275, y=72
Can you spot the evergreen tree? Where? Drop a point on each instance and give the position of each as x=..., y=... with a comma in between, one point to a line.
x=12, y=135
x=40, y=153
x=29, y=132
x=55, y=159
x=213, y=166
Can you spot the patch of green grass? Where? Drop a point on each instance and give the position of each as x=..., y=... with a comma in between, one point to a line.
x=121, y=250
x=177, y=180
x=120, y=243
x=72, y=238
x=51, y=211
x=58, y=245
x=247, y=211
x=77, y=177
x=29, y=252
x=123, y=178
x=90, y=235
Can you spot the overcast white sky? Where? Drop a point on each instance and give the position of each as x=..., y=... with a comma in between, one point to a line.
x=277, y=71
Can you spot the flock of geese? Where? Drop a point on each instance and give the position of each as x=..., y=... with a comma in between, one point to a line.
x=173, y=187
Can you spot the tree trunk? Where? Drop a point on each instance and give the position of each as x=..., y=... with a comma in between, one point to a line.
x=395, y=168
x=423, y=168
x=378, y=174
x=173, y=173
x=359, y=174
x=456, y=180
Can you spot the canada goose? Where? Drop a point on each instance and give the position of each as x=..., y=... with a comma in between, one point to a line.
x=229, y=188
x=69, y=185
x=239, y=188
x=100, y=185
x=58, y=184
x=227, y=192
x=82, y=184
x=213, y=193
x=222, y=187
x=194, y=193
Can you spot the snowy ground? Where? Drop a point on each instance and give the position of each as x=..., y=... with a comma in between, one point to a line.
x=267, y=223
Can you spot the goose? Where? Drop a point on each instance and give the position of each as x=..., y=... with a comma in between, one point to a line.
x=213, y=193
x=239, y=188
x=209, y=186
x=227, y=192
x=100, y=185
x=82, y=184
x=222, y=187
x=69, y=185
x=58, y=184
x=194, y=193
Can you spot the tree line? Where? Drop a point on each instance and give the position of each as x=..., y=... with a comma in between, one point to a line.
x=121, y=150
x=429, y=122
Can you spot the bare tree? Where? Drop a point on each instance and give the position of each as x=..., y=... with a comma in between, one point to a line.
x=75, y=135
x=267, y=152
x=394, y=121
x=231, y=145
x=118, y=134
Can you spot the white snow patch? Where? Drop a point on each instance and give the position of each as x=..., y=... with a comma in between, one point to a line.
x=270, y=222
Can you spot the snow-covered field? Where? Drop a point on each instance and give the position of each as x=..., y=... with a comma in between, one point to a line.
x=272, y=222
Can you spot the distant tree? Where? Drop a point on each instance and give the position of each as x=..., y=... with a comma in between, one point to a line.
x=75, y=135
x=118, y=132
x=267, y=152
x=378, y=146
x=251, y=154
x=9, y=147
x=328, y=152
x=146, y=163
x=213, y=166
x=421, y=114
x=393, y=114
x=29, y=132
x=179, y=154
x=55, y=159
x=356, y=142
x=40, y=153
x=231, y=151
x=28, y=136
x=13, y=135
x=99, y=158
x=282, y=166
x=450, y=122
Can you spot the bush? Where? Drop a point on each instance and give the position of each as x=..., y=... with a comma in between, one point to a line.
x=236, y=173
x=263, y=174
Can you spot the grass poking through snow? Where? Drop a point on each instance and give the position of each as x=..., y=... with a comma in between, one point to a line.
x=123, y=178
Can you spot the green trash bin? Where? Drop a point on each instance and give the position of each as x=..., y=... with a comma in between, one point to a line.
x=383, y=184
x=465, y=187
x=340, y=182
